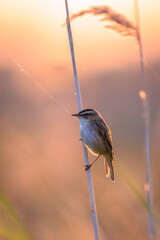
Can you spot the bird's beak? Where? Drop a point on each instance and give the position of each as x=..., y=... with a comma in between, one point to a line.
x=75, y=115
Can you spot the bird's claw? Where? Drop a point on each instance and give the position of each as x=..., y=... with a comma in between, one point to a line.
x=87, y=167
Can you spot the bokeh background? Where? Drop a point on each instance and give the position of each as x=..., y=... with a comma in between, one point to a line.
x=43, y=185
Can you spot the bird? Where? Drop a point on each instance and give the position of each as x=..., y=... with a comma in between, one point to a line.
x=96, y=136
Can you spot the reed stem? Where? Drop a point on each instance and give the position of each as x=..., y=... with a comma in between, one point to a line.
x=89, y=177
x=144, y=98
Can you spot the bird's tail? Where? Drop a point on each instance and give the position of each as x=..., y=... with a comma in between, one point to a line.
x=108, y=162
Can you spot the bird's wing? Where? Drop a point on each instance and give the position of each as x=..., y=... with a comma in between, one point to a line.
x=105, y=133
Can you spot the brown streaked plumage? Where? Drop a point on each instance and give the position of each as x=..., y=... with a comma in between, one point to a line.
x=97, y=137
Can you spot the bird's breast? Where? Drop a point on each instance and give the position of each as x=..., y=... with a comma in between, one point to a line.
x=91, y=139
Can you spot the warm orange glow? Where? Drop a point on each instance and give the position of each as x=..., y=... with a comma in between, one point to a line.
x=42, y=166
x=146, y=187
x=33, y=31
x=142, y=94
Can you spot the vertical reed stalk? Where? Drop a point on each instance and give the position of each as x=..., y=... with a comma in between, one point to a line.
x=89, y=177
x=144, y=97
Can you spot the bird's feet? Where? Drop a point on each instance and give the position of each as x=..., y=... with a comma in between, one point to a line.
x=87, y=167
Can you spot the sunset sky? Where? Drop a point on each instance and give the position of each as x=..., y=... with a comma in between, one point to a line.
x=32, y=32
x=42, y=166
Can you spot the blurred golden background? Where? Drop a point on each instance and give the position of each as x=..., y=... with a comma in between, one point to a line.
x=43, y=185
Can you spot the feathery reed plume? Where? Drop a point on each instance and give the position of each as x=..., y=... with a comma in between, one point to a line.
x=144, y=97
x=89, y=177
x=119, y=22
x=123, y=26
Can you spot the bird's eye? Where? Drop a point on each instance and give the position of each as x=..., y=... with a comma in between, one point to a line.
x=86, y=115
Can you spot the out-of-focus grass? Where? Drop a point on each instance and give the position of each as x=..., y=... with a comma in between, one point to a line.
x=11, y=227
x=134, y=188
x=42, y=167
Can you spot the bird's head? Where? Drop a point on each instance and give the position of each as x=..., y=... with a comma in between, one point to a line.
x=87, y=114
